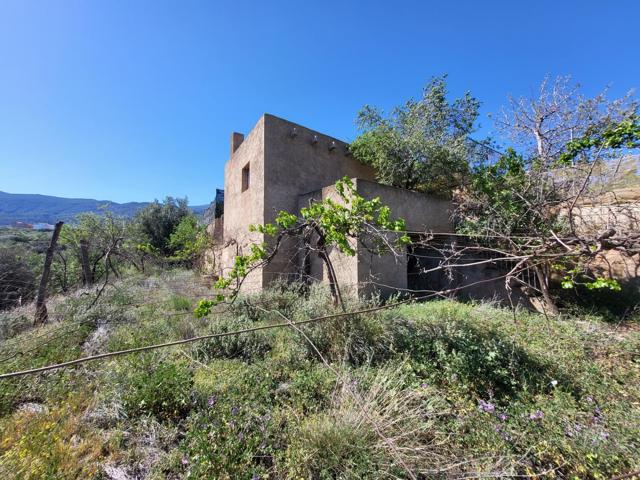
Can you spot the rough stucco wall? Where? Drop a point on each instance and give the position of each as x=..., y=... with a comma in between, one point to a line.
x=242, y=208
x=282, y=168
x=284, y=171
x=421, y=212
x=366, y=272
x=295, y=166
x=387, y=274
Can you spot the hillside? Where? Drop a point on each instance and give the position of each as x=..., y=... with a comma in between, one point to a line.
x=443, y=389
x=34, y=208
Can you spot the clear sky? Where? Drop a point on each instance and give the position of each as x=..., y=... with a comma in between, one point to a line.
x=131, y=100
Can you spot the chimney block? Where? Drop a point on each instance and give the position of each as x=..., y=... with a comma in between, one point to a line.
x=236, y=140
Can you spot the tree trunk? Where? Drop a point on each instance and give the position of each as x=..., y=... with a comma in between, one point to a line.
x=333, y=282
x=549, y=305
x=87, y=274
x=41, y=306
x=64, y=284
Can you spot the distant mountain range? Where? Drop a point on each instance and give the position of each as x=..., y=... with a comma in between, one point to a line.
x=32, y=208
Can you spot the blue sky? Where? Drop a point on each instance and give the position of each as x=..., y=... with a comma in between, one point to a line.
x=130, y=100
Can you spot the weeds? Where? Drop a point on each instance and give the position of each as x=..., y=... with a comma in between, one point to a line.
x=445, y=388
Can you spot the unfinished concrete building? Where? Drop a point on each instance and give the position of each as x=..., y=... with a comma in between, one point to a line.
x=280, y=165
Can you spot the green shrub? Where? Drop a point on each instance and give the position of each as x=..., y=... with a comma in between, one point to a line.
x=280, y=297
x=309, y=388
x=355, y=339
x=50, y=344
x=233, y=434
x=452, y=344
x=157, y=387
x=248, y=346
x=376, y=427
x=50, y=444
x=327, y=447
x=180, y=304
x=573, y=438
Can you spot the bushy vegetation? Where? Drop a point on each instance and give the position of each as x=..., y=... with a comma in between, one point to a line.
x=423, y=144
x=444, y=389
x=96, y=246
x=559, y=152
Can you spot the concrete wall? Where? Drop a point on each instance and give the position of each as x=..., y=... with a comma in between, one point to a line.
x=299, y=160
x=303, y=163
x=291, y=166
x=285, y=161
x=422, y=213
x=242, y=208
x=367, y=273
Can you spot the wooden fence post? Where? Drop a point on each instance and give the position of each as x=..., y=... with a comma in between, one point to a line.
x=41, y=306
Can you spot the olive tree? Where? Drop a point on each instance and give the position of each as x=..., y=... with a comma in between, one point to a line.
x=159, y=220
x=423, y=144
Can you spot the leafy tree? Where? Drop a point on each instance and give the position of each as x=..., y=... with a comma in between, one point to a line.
x=90, y=246
x=189, y=241
x=158, y=221
x=422, y=145
x=501, y=199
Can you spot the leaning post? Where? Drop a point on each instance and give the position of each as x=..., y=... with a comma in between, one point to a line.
x=41, y=306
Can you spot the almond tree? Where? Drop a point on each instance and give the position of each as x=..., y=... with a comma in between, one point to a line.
x=546, y=203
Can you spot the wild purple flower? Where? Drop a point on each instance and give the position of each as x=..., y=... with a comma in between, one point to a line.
x=537, y=415
x=185, y=461
x=487, y=407
x=255, y=477
x=423, y=385
x=597, y=415
x=212, y=400
x=234, y=411
x=498, y=428
x=502, y=417
x=604, y=435
x=240, y=436
x=589, y=399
